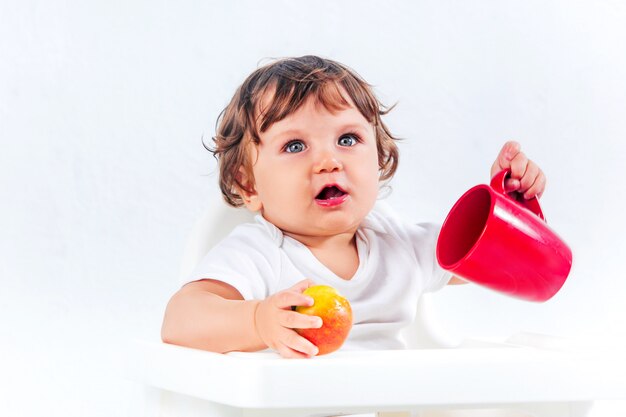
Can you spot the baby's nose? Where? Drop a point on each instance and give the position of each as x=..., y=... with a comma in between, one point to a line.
x=328, y=162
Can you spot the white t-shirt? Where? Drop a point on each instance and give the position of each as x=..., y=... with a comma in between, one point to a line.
x=396, y=265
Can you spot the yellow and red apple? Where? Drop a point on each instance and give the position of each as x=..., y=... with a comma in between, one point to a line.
x=336, y=315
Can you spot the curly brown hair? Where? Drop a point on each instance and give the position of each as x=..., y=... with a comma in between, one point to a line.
x=291, y=81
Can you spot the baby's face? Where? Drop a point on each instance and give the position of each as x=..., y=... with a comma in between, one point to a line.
x=316, y=173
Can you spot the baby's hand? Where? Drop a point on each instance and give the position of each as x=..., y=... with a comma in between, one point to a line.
x=274, y=321
x=526, y=177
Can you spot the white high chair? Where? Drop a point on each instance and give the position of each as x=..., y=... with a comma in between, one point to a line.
x=528, y=375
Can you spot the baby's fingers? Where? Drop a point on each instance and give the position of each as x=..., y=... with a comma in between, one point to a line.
x=288, y=298
x=519, y=164
x=529, y=177
x=302, y=285
x=536, y=190
x=511, y=185
x=293, y=296
x=508, y=152
x=289, y=353
x=295, y=320
x=296, y=346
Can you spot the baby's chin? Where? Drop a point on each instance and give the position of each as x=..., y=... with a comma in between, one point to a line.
x=325, y=229
x=317, y=222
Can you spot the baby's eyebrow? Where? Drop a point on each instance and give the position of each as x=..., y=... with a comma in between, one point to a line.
x=289, y=133
x=341, y=129
x=279, y=137
x=355, y=126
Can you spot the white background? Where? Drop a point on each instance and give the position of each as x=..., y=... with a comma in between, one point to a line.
x=102, y=171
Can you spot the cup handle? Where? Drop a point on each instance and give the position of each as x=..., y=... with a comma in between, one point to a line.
x=497, y=183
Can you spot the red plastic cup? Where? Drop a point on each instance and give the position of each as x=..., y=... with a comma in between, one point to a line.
x=503, y=242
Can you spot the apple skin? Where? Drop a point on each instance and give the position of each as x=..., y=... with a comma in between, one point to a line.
x=336, y=314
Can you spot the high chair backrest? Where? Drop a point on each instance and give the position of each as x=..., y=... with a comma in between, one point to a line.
x=216, y=222
x=220, y=219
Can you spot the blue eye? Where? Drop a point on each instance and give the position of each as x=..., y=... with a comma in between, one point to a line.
x=348, y=140
x=294, y=146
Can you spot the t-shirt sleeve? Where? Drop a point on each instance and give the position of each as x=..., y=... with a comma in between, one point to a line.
x=244, y=260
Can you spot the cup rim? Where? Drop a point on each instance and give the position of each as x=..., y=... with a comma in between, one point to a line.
x=443, y=236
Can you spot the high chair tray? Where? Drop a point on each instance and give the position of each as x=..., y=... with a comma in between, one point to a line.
x=464, y=376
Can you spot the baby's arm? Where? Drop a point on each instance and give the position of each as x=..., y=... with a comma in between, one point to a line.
x=212, y=315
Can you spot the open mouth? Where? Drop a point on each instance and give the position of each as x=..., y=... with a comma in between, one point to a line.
x=330, y=193
x=331, y=196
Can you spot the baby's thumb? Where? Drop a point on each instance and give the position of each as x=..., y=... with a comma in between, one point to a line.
x=511, y=185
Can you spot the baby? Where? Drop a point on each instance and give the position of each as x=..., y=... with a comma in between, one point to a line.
x=303, y=144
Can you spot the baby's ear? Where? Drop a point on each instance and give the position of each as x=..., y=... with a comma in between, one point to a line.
x=247, y=191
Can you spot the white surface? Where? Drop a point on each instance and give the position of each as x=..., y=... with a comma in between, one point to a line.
x=102, y=174
x=378, y=380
